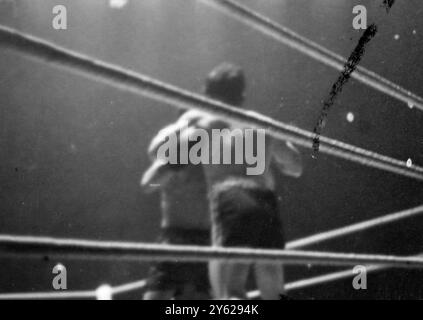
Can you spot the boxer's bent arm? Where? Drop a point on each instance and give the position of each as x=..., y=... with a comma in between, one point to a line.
x=160, y=171
x=287, y=158
x=285, y=155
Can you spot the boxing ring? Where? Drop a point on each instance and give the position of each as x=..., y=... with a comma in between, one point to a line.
x=145, y=86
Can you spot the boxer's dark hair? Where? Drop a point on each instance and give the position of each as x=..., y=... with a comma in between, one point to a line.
x=226, y=83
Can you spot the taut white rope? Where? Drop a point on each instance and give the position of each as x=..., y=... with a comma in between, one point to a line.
x=131, y=251
x=354, y=228
x=314, y=281
x=87, y=294
x=140, y=84
x=49, y=295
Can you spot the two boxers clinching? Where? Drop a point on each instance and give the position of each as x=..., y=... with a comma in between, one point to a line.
x=241, y=209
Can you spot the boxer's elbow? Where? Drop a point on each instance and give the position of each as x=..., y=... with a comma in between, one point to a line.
x=147, y=184
x=294, y=171
x=297, y=167
x=292, y=165
x=145, y=181
x=154, y=177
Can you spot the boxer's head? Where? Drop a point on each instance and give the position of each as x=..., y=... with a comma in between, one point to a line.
x=226, y=83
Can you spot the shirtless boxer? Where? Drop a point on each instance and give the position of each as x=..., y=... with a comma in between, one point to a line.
x=244, y=208
x=185, y=220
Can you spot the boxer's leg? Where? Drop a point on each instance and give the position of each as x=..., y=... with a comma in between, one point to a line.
x=270, y=280
x=270, y=276
x=228, y=279
x=232, y=226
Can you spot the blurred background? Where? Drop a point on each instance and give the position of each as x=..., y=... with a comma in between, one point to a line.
x=72, y=150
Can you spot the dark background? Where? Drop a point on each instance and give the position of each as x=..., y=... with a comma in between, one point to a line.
x=72, y=150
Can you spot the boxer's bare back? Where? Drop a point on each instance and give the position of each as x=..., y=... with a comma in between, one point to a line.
x=229, y=279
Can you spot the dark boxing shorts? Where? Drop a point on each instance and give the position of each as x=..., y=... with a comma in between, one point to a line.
x=173, y=275
x=244, y=214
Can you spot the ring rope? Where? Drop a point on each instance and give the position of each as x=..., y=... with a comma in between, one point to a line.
x=128, y=287
x=354, y=228
x=314, y=281
x=131, y=251
x=312, y=49
x=300, y=284
x=128, y=80
x=49, y=295
x=141, y=285
x=89, y=294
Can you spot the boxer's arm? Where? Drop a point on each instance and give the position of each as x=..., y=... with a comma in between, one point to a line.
x=160, y=171
x=187, y=120
x=287, y=158
x=285, y=155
